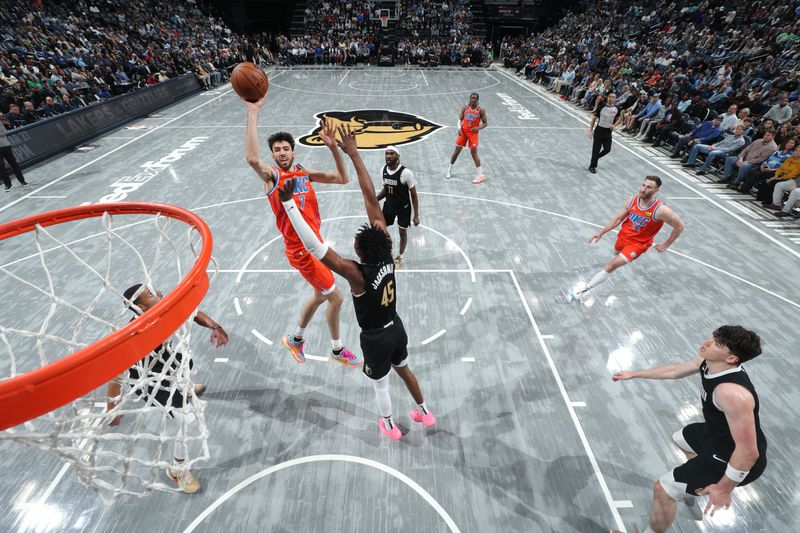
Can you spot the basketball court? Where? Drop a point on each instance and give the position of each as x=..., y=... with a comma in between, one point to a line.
x=532, y=435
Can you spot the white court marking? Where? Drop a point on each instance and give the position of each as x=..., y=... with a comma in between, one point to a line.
x=468, y=359
x=466, y=306
x=624, y=504
x=623, y=144
x=578, y=404
x=343, y=77
x=548, y=336
x=326, y=458
x=434, y=337
x=386, y=92
x=261, y=337
x=338, y=94
x=237, y=306
x=578, y=427
x=221, y=360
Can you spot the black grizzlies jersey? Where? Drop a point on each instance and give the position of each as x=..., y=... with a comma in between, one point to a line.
x=375, y=307
x=718, y=429
x=397, y=194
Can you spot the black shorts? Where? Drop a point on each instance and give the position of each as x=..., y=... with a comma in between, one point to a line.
x=707, y=468
x=383, y=348
x=403, y=215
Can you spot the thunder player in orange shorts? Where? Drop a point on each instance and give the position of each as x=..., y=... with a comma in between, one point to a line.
x=320, y=278
x=471, y=120
x=641, y=218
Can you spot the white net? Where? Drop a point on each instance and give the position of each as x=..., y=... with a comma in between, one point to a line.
x=69, y=294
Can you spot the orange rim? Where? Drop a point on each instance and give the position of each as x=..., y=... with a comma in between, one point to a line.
x=44, y=389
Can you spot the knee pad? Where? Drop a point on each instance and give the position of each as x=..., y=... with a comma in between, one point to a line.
x=675, y=489
x=381, y=384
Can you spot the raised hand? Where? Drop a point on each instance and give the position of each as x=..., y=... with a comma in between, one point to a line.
x=257, y=105
x=328, y=133
x=219, y=337
x=287, y=191
x=348, y=142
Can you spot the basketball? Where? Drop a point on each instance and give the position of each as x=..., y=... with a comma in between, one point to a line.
x=249, y=82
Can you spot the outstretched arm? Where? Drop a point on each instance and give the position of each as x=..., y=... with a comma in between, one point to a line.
x=350, y=147
x=618, y=219
x=252, y=152
x=680, y=370
x=344, y=267
x=328, y=136
x=668, y=215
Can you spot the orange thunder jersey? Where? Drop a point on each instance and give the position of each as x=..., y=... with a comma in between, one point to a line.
x=641, y=226
x=472, y=119
x=304, y=197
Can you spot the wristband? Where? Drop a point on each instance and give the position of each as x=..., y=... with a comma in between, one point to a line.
x=736, y=475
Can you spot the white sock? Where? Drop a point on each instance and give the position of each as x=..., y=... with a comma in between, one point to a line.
x=598, y=278
x=423, y=409
x=298, y=332
x=449, y=168
x=336, y=344
x=479, y=171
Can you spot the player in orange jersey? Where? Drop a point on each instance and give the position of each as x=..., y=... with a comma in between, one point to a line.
x=472, y=119
x=281, y=145
x=641, y=219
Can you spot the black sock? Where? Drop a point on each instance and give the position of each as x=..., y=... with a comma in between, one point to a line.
x=298, y=339
x=337, y=351
x=387, y=422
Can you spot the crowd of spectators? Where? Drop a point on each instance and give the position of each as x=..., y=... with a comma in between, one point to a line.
x=717, y=80
x=58, y=56
x=427, y=32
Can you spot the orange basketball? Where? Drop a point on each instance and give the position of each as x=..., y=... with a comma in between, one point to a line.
x=249, y=82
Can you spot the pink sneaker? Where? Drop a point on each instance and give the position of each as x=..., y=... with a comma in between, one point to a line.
x=296, y=348
x=394, y=434
x=479, y=179
x=428, y=419
x=348, y=358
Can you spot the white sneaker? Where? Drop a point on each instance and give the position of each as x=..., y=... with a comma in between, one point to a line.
x=573, y=297
x=184, y=479
x=447, y=175
x=479, y=179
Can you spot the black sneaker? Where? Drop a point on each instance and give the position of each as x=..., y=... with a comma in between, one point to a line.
x=724, y=180
x=688, y=165
x=591, y=169
x=782, y=214
x=8, y=189
x=701, y=172
x=26, y=185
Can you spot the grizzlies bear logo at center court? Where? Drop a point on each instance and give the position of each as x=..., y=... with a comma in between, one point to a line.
x=375, y=128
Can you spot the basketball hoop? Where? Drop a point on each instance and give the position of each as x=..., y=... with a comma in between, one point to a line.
x=384, y=18
x=49, y=398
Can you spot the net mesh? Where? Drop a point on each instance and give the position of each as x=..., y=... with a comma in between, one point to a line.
x=68, y=294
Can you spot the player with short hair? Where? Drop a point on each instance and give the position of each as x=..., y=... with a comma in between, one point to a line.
x=157, y=370
x=320, y=277
x=400, y=193
x=726, y=450
x=641, y=220
x=372, y=282
x=472, y=119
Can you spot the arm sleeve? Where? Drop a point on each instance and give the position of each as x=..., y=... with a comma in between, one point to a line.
x=407, y=178
x=310, y=241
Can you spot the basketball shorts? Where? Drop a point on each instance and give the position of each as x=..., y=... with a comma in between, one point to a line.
x=316, y=274
x=165, y=394
x=467, y=139
x=403, y=215
x=383, y=348
x=707, y=468
x=630, y=250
